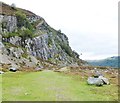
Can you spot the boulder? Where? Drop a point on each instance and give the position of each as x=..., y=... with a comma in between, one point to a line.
x=105, y=80
x=12, y=69
x=95, y=81
x=1, y=72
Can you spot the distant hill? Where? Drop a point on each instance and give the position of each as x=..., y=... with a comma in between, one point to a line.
x=111, y=62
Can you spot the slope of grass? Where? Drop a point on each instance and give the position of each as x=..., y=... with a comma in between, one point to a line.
x=52, y=86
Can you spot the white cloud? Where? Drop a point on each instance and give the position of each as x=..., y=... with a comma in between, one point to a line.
x=91, y=56
x=91, y=25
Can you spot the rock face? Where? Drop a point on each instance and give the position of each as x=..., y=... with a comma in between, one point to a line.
x=25, y=36
x=9, y=23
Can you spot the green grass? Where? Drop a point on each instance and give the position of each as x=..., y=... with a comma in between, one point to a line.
x=52, y=86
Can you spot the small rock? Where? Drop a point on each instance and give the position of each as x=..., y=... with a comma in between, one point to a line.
x=12, y=69
x=97, y=73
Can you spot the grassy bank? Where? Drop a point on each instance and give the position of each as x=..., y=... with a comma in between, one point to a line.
x=53, y=86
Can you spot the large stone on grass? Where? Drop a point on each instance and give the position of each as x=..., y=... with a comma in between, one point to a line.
x=105, y=80
x=95, y=81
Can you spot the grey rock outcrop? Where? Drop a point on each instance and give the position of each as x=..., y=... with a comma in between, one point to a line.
x=9, y=23
x=47, y=46
x=15, y=40
x=34, y=41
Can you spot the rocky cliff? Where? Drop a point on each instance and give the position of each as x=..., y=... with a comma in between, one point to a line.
x=27, y=40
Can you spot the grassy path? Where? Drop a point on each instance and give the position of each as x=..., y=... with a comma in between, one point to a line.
x=52, y=86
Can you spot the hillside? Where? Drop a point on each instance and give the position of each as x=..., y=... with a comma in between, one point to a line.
x=110, y=62
x=38, y=64
x=26, y=40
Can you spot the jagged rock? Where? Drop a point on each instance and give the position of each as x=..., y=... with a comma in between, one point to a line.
x=105, y=80
x=10, y=22
x=95, y=81
x=15, y=40
x=4, y=59
x=15, y=52
x=33, y=18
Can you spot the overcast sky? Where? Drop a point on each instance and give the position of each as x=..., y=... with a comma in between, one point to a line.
x=91, y=25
